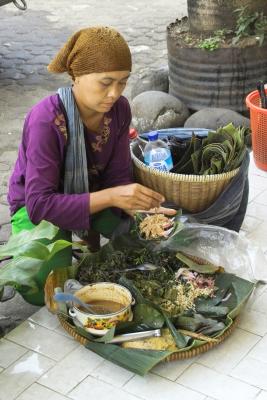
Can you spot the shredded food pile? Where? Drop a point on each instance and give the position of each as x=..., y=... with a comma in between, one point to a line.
x=155, y=226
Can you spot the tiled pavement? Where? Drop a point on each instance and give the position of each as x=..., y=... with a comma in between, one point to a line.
x=39, y=360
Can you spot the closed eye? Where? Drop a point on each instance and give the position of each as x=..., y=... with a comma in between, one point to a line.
x=105, y=84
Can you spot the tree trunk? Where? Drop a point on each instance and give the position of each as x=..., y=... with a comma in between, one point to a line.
x=211, y=15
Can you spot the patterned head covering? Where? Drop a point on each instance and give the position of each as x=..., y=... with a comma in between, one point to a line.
x=95, y=49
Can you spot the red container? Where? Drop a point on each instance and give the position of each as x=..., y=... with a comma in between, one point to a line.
x=258, y=123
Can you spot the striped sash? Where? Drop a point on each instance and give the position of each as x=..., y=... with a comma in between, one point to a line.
x=76, y=173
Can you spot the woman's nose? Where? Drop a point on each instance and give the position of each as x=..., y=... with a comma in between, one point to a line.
x=114, y=91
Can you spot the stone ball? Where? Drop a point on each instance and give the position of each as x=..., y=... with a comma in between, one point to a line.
x=154, y=110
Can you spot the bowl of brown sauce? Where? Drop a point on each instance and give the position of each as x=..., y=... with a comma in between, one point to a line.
x=110, y=302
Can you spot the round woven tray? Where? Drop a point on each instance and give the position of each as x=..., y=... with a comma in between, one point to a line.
x=179, y=355
x=194, y=193
x=57, y=279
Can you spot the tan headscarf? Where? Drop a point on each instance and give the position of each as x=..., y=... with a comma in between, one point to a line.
x=95, y=49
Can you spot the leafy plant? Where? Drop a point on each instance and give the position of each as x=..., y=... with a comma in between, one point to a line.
x=35, y=253
x=250, y=25
x=213, y=42
x=210, y=44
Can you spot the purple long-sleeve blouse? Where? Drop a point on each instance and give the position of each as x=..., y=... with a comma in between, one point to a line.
x=37, y=179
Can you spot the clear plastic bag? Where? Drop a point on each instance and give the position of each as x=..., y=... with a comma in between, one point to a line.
x=221, y=246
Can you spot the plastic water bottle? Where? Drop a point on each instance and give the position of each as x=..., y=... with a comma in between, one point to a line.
x=137, y=143
x=157, y=153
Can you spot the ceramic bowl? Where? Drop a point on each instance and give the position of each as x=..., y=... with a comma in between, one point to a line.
x=99, y=324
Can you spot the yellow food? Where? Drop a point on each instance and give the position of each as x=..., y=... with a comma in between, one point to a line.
x=164, y=342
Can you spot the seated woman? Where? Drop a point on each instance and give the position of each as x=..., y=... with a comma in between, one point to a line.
x=74, y=165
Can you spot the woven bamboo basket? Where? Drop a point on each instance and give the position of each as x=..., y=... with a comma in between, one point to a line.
x=193, y=193
x=56, y=279
x=179, y=355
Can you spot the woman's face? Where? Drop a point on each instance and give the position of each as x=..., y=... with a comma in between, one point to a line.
x=99, y=91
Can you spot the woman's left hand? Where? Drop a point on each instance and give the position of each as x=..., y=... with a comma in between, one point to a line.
x=156, y=210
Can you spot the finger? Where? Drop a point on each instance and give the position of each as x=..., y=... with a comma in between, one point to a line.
x=160, y=210
x=151, y=193
x=167, y=211
x=146, y=202
x=144, y=205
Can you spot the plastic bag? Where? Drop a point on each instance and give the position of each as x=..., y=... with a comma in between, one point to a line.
x=220, y=246
x=217, y=245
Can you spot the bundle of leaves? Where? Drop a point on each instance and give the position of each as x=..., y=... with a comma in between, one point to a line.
x=221, y=151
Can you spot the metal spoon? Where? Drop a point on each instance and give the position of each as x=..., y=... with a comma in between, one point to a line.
x=65, y=297
x=142, y=267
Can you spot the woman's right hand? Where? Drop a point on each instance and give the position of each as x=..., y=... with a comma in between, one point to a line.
x=135, y=197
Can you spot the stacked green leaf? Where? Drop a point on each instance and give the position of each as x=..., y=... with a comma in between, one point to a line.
x=221, y=151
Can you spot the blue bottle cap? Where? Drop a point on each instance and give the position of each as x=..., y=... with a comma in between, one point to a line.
x=152, y=136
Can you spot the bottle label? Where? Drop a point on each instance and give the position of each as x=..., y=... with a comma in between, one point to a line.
x=160, y=159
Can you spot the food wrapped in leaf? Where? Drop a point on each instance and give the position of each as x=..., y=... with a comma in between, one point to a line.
x=156, y=226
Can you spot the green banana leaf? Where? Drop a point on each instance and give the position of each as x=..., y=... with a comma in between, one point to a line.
x=221, y=151
x=196, y=161
x=102, y=339
x=36, y=250
x=146, y=314
x=138, y=361
x=131, y=326
x=20, y=273
x=35, y=253
x=198, y=323
x=212, y=311
x=18, y=243
x=211, y=153
x=186, y=157
x=193, y=266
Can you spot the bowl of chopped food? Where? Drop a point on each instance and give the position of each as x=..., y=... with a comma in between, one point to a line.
x=111, y=303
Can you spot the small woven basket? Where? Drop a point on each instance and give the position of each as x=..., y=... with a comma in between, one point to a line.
x=193, y=193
